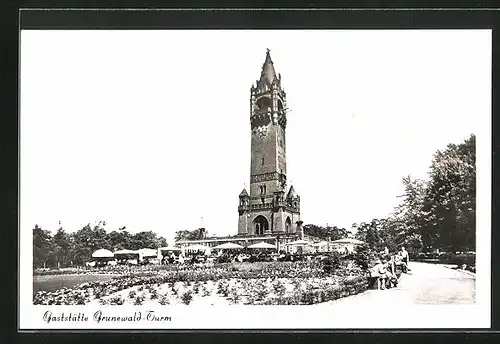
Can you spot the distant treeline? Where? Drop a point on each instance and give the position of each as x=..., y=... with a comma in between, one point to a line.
x=439, y=212
x=65, y=249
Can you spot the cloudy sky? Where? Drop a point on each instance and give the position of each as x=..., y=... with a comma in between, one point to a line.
x=150, y=129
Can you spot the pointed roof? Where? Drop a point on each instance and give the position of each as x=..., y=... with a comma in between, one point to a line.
x=244, y=193
x=291, y=193
x=268, y=74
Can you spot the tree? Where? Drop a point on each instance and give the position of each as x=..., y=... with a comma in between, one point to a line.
x=325, y=233
x=413, y=242
x=186, y=235
x=42, y=247
x=450, y=201
x=62, y=248
x=369, y=233
x=147, y=239
x=84, y=244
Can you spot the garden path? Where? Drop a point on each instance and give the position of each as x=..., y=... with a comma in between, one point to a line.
x=425, y=284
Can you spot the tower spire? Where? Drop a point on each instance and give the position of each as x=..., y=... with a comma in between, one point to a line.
x=268, y=74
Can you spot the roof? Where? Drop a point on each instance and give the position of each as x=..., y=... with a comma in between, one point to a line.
x=268, y=74
x=244, y=192
x=291, y=193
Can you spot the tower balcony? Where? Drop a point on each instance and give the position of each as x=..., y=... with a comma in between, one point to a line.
x=242, y=209
x=260, y=206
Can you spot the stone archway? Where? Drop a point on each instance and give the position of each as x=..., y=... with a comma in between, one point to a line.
x=261, y=225
x=288, y=225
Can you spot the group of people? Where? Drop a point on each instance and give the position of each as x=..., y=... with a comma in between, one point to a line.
x=385, y=269
x=230, y=257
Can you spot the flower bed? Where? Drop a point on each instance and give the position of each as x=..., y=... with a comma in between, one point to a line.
x=271, y=283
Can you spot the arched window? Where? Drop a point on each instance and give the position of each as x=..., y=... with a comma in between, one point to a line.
x=263, y=103
x=261, y=225
x=288, y=225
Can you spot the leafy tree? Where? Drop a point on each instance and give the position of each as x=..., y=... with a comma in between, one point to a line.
x=413, y=242
x=369, y=233
x=62, y=248
x=196, y=234
x=325, y=233
x=362, y=256
x=147, y=239
x=42, y=247
x=450, y=200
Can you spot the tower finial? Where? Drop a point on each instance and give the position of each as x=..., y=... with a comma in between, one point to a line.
x=268, y=51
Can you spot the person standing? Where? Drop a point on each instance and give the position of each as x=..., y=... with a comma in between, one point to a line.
x=382, y=274
x=405, y=257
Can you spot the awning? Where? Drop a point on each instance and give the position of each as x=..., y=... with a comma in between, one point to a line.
x=297, y=243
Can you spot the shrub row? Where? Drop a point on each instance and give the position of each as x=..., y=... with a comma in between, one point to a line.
x=346, y=288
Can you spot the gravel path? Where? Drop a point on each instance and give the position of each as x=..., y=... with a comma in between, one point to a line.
x=426, y=284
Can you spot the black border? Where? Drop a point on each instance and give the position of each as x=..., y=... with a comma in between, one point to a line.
x=243, y=18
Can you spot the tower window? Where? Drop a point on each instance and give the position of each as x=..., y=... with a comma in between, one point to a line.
x=262, y=161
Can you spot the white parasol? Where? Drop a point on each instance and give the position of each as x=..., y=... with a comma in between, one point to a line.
x=319, y=244
x=229, y=246
x=262, y=244
x=102, y=253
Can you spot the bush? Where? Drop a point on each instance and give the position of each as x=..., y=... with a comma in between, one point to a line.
x=187, y=297
x=139, y=300
x=279, y=288
x=331, y=263
x=154, y=294
x=362, y=256
x=164, y=300
x=234, y=297
x=117, y=300
x=206, y=292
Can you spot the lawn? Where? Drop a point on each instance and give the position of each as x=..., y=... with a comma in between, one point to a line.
x=55, y=282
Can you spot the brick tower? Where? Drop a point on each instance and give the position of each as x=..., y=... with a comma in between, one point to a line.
x=266, y=210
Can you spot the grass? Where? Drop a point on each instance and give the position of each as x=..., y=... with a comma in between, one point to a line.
x=55, y=282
